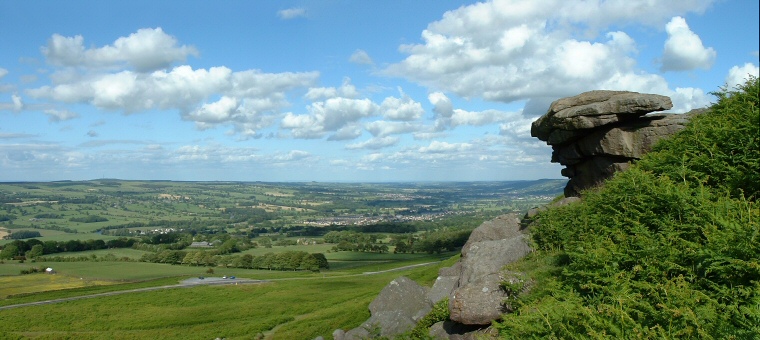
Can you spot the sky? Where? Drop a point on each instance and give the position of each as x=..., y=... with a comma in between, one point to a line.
x=337, y=91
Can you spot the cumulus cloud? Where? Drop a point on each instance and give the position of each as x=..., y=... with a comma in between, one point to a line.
x=404, y=108
x=441, y=104
x=147, y=49
x=738, y=75
x=375, y=143
x=348, y=132
x=60, y=115
x=248, y=99
x=360, y=57
x=444, y=147
x=684, y=50
x=513, y=50
x=291, y=13
x=462, y=117
x=346, y=90
x=384, y=128
x=327, y=116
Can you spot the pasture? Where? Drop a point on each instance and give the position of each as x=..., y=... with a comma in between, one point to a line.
x=287, y=307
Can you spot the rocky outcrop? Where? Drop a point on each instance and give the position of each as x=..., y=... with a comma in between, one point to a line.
x=478, y=298
x=395, y=310
x=472, y=285
x=598, y=133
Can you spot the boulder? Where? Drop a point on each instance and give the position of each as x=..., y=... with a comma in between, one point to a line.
x=502, y=227
x=395, y=310
x=488, y=257
x=598, y=133
x=404, y=296
x=384, y=324
x=442, y=288
x=478, y=302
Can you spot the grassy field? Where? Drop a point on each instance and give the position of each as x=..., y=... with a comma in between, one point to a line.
x=292, y=306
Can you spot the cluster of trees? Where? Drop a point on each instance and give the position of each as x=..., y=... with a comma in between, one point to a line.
x=23, y=234
x=362, y=247
x=88, y=219
x=354, y=241
x=431, y=242
x=85, y=258
x=288, y=260
x=33, y=248
x=351, y=237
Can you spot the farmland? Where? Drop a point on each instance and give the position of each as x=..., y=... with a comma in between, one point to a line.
x=324, y=250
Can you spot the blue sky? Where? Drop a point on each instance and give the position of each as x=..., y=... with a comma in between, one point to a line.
x=336, y=90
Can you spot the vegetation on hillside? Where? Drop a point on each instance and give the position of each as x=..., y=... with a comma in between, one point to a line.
x=667, y=249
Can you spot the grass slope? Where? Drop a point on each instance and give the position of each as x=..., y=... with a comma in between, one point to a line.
x=667, y=249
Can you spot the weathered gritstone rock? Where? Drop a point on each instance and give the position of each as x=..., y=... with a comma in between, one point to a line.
x=472, y=286
x=593, y=109
x=598, y=133
x=395, y=310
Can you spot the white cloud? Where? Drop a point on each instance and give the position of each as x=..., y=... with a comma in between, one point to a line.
x=462, y=117
x=216, y=112
x=348, y=132
x=404, y=108
x=687, y=99
x=738, y=75
x=360, y=57
x=346, y=90
x=684, y=50
x=3, y=72
x=293, y=155
x=512, y=50
x=328, y=116
x=383, y=128
x=441, y=104
x=291, y=13
x=18, y=104
x=145, y=50
x=248, y=99
x=444, y=147
x=60, y=115
x=375, y=143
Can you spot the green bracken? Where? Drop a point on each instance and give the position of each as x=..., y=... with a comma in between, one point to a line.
x=668, y=249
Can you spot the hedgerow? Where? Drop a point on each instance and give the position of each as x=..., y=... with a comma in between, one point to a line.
x=668, y=249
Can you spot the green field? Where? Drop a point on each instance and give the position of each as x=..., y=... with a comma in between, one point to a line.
x=292, y=305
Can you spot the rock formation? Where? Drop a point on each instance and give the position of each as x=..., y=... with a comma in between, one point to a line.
x=598, y=133
x=473, y=286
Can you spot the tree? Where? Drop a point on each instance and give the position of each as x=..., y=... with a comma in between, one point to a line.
x=9, y=251
x=36, y=251
x=321, y=260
